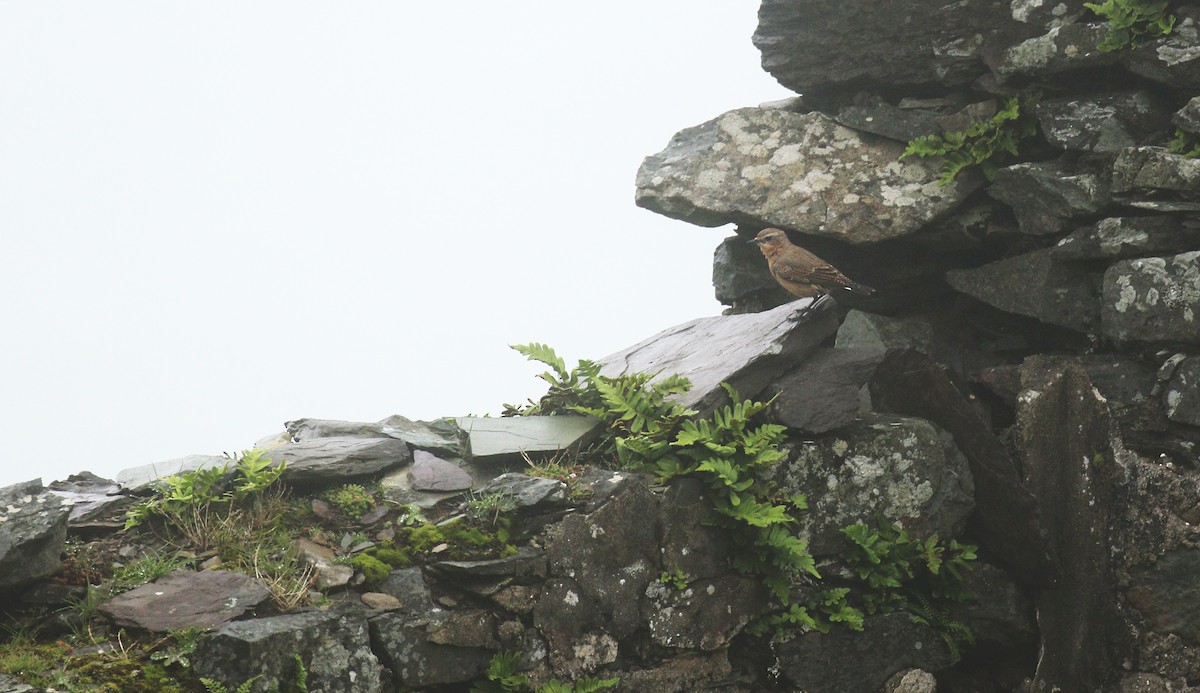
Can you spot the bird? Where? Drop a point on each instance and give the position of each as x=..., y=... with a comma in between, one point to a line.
x=803, y=274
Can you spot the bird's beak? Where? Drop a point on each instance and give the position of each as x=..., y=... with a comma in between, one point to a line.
x=754, y=241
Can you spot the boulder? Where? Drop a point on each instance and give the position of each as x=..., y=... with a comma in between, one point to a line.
x=331, y=575
x=333, y=645
x=90, y=497
x=1182, y=395
x=1173, y=60
x=878, y=117
x=801, y=172
x=33, y=529
x=140, y=479
x=1124, y=237
x=440, y=436
x=432, y=473
x=706, y=614
x=528, y=492
x=1066, y=48
x=1034, y=284
x=320, y=462
x=863, y=331
x=1153, y=299
x=823, y=393
x=861, y=662
x=746, y=351
x=1101, y=123
x=404, y=645
x=408, y=586
x=1153, y=171
x=1070, y=452
x=187, y=599
x=815, y=46
x=892, y=469
x=1188, y=117
x=1047, y=196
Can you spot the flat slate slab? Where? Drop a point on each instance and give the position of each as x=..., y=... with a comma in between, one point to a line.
x=187, y=599
x=432, y=473
x=512, y=435
x=136, y=479
x=747, y=351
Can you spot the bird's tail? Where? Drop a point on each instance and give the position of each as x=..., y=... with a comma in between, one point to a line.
x=860, y=289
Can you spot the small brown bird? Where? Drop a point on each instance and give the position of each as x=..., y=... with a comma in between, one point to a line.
x=799, y=271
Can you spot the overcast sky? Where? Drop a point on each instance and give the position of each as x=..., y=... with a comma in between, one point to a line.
x=220, y=216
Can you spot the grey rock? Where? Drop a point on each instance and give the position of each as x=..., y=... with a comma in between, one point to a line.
x=1173, y=60
x=706, y=614
x=861, y=662
x=438, y=436
x=139, y=479
x=1122, y=237
x=187, y=599
x=802, y=172
x=432, y=473
x=89, y=495
x=683, y=673
x=911, y=681
x=861, y=330
x=397, y=487
x=331, y=575
x=33, y=529
x=1065, y=440
x=745, y=351
x=1103, y=123
x=901, y=470
x=528, y=561
x=338, y=460
x=1061, y=49
x=692, y=543
x=1182, y=395
x=823, y=394
x=1167, y=594
x=408, y=586
x=1046, y=196
x=999, y=613
x=1188, y=117
x=491, y=438
x=11, y=685
x=405, y=647
x=812, y=46
x=1153, y=299
x=1034, y=284
x=527, y=491
x=741, y=279
x=379, y=601
x=879, y=117
x=1153, y=170
x=334, y=647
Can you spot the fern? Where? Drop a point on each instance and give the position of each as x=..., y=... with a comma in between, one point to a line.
x=1132, y=22
x=1184, y=144
x=984, y=144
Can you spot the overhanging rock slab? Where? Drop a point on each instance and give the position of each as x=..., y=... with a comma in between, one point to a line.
x=747, y=351
x=513, y=435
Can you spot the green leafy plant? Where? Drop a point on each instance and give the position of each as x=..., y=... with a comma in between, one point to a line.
x=675, y=578
x=239, y=480
x=489, y=505
x=568, y=389
x=145, y=569
x=177, y=647
x=351, y=500
x=984, y=144
x=502, y=676
x=214, y=686
x=1132, y=22
x=1184, y=144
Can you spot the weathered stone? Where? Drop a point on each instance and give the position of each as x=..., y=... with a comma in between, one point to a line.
x=396, y=486
x=1168, y=595
x=1069, y=452
x=867, y=331
x=331, y=575
x=509, y=436
x=706, y=614
x=1033, y=284
x=681, y=674
x=1000, y=613
x=1188, y=117
x=823, y=394
x=1173, y=60
x=33, y=529
x=1046, y=196
x=878, y=117
x=802, y=172
x=187, y=599
x=911, y=681
x=883, y=469
x=1061, y=49
x=334, y=647
x=527, y=491
x=692, y=543
x=89, y=495
x=379, y=601
x=1182, y=395
x=745, y=351
x=432, y=473
x=527, y=561
x=11, y=685
x=440, y=436
x=741, y=279
x=404, y=646
x=1122, y=237
x=612, y=555
x=1153, y=170
x=1153, y=299
x=1103, y=123
x=139, y=479
x=861, y=662
x=1006, y=521
x=408, y=586
x=320, y=462
x=812, y=46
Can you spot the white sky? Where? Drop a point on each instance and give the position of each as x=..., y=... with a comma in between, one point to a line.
x=218, y=216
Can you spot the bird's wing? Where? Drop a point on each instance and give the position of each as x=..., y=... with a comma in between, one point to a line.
x=815, y=272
